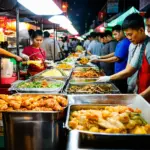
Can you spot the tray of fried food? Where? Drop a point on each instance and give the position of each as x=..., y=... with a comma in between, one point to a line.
x=107, y=119
x=32, y=102
x=84, y=69
x=91, y=88
x=64, y=66
x=90, y=73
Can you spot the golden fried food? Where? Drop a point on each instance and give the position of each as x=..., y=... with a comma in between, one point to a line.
x=64, y=66
x=84, y=60
x=109, y=119
x=32, y=102
x=87, y=74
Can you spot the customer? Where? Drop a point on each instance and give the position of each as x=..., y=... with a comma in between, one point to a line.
x=119, y=57
x=134, y=29
x=48, y=46
x=95, y=46
x=108, y=48
x=79, y=47
x=34, y=52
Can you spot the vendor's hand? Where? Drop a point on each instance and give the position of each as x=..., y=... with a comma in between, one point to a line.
x=25, y=57
x=104, y=79
x=18, y=58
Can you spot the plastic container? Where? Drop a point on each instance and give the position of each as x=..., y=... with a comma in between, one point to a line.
x=6, y=68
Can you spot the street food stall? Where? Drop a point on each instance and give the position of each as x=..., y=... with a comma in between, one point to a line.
x=54, y=110
x=64, y=107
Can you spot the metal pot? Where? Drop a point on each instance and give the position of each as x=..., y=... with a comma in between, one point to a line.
x=33, y=130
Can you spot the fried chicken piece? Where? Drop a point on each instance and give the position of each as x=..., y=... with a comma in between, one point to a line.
x=3, y=105
x=52, y=103
x=61, y=100
x=27, y=102
x=14, y=104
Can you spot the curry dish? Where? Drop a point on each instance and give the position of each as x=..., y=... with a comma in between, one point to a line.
x=110, y=119
x=32, y=102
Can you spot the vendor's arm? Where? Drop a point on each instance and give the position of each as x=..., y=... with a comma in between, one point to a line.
x=8, y=54
x=107, y=60
x=107, y=56
x=127, y=72
x=146, y=93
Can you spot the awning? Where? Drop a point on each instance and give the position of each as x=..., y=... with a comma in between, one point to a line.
x=121, y=18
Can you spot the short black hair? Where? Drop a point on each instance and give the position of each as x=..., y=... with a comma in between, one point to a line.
x=36, y=33
x=117, y=28
x=101, y=35
x=107, y=33
x=30, y=31
x=133, y=21
x=46, y=34
x=147, y=15
x=93, y=34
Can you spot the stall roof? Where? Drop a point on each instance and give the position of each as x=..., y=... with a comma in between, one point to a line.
x=121, y=18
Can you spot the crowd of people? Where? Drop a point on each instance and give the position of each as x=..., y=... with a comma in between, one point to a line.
x=123, y=53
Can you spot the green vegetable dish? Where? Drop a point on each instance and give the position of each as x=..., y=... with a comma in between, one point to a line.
x=40, y=84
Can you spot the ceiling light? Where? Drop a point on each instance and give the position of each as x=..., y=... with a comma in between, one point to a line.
x=41, y=7
x=60, y=19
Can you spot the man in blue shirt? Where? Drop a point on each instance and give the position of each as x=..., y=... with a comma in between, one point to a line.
x=120, y=56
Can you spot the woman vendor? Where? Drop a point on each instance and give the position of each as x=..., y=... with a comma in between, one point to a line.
x=35, y=53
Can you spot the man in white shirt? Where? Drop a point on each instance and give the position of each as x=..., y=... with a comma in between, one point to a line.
x=48, y=46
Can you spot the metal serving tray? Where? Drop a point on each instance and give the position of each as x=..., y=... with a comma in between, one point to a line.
x=34, y=130
x=81, y=140
x=101, y=73
x=114, y=88
x=64, y=78
x=14, y=88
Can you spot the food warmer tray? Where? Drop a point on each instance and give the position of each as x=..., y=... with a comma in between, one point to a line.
x=14, y=89
x=64, y=78
x=34, y=129
x=114, y=88
x=81, y=140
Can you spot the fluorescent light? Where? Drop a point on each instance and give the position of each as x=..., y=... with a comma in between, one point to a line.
x=41, y=7
x=72, y=30
x=64, y=22
x=60, y=19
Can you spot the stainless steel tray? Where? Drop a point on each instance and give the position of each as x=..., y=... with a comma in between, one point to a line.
x=26, y=130
x=15, y=89
x=94, y=141
x=113, y=91
x=30, y=111
x=53, y=77
x=101, y=73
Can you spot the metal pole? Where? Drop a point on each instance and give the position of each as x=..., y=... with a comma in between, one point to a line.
x=54, y=43
x=17, y=40
x=42, y=24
